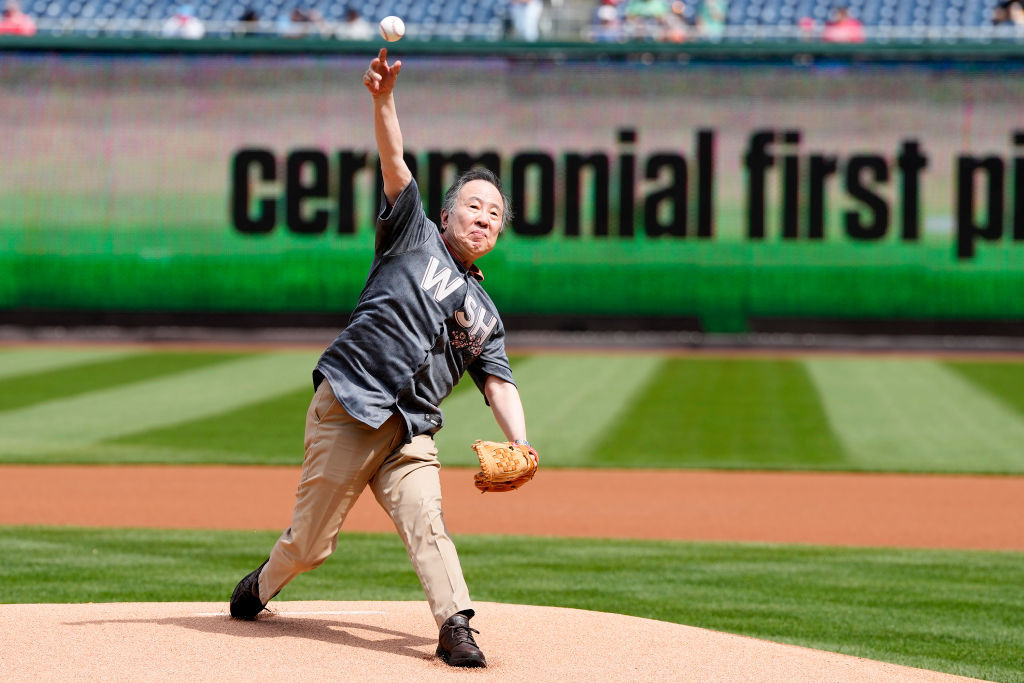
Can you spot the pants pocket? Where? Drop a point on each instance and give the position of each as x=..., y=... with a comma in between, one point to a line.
x=322, y=403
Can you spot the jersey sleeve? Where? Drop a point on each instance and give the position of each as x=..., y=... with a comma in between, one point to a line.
x=492, y=361
x=404, y=225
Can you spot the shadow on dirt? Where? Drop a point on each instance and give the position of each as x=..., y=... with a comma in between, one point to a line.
x=273, y=625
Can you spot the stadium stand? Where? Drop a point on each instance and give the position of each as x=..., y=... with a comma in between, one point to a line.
x=454, y=19
x=882, y=19
x=488, y=19
x=878, y=13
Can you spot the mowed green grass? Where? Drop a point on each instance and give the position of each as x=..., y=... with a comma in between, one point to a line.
x=958, y=612
x=641, y=410
x=952, y=611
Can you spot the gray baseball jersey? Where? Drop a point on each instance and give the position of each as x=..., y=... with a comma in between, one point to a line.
x=422, y=320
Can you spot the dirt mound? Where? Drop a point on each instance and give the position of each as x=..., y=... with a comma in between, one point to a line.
x=393, y=641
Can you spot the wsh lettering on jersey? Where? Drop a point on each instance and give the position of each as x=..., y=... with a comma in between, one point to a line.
x=476, y=321
x=443, y=281
x=477, y=324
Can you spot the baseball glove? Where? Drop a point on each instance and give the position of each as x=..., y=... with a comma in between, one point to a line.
x=504, y=465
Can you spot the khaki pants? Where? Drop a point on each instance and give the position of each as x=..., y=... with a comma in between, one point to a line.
x=343, y=456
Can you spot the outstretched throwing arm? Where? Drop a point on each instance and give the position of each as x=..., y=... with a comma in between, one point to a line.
x=379, y=78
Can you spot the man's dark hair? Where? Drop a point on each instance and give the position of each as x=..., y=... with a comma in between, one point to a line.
x=478, y=174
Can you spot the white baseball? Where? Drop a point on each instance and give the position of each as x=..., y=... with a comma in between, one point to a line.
x=392, y=28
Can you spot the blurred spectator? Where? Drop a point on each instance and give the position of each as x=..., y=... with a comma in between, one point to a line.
x=676, y=29
x=14, y=22
x=1009, y=13
x=606, y=24
x=807, y=27
x=711, y=19
x=355, y=27
x=844, y=28
x=248, y=23
x=183, y=24
x=647, y=19
x=1015, y=8
x=300, y=23
x=525, y=15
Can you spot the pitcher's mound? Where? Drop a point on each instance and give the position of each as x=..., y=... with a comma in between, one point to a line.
x=393, y=641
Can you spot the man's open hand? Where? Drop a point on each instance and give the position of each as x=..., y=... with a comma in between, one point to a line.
x=379, y=78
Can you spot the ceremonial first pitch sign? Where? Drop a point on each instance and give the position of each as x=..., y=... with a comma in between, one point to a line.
x=720, y=191
x=804, y=179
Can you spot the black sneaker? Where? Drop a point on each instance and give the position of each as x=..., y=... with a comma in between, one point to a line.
x=456, y=646
x=245, y=601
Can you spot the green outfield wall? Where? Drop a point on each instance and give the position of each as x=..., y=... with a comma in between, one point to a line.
x=719, y=183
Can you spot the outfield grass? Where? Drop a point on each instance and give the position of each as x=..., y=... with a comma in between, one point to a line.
x=590, y=410
x=960, y=612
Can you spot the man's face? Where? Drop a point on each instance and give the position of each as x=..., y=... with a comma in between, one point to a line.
x=474, y=223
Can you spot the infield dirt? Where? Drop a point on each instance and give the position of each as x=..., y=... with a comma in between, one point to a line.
x=394, y=641
x=894, y=510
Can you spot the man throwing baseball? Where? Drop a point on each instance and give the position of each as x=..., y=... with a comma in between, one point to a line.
x=422, y=320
